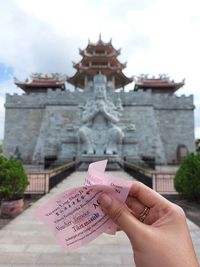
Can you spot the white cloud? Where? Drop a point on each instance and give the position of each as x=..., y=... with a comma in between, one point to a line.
x=197, y=133
x=2, y=115
x=197, y=118
x=156, y=36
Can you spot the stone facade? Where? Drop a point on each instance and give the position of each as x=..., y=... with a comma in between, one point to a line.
x=39, y=125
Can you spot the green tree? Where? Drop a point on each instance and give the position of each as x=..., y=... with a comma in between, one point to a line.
x=187, y=179
x=197, y=142
x=13, y=179
x=1, y=149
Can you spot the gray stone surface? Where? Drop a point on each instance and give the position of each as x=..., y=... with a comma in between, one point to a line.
x=26, y=242
x=46, y=124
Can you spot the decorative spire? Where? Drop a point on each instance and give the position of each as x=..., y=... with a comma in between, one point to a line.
x=89, y=42
x=100, y=40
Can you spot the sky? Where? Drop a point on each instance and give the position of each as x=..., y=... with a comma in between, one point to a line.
x=155, y=36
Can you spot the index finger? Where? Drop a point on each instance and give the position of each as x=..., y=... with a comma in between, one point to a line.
x=146, y=195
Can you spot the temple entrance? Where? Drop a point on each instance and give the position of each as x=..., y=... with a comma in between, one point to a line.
x=182, y=152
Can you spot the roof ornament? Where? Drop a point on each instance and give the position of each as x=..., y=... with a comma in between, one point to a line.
x=163, y=76
x=36, y=75
x=56, y=75
x=100, y=40
x=142, y=76
x=89, y=42
x=15, y=79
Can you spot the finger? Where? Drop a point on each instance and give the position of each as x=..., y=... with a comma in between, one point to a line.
x=118, y=229
x=120, y=214
x=135, y=206
x=147, y=196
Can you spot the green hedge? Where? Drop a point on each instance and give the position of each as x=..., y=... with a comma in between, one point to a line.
x=13, y=179
x=187, y=179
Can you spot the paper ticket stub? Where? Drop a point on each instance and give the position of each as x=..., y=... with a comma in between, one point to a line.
x=75, y=216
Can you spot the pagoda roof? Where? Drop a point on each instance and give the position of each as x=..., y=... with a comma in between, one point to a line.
x=113, y=53
x=115, y=64
x=100, y=44
x=99, y=57
x=160, y=84
x=120, y=79
x=40, y=83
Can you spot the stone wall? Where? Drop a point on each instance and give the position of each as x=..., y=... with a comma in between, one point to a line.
x=46, y=124
x=176, y=128
x=22, y=131
x=138, y=98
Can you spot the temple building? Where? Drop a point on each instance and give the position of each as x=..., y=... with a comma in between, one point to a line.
x=162, y=84
x=97, y=58
x=40, y=84
x=96, y=121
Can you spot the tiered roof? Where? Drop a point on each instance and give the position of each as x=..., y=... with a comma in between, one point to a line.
x=99, y=57
x=162, y=84
x=41, y=83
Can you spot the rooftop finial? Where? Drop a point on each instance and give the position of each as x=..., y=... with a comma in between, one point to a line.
x=89, y=42
x=99, y=36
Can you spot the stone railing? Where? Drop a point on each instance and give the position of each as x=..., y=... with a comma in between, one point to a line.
x=40, y=182
x=161, y=182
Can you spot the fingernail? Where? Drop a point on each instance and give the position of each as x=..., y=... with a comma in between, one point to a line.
x=105, y=200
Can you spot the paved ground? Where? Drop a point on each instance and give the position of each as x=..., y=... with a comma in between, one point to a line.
x=26, y=242
x=28, y=202
x=192, y=209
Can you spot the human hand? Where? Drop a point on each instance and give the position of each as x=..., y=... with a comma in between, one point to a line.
x=163, y=238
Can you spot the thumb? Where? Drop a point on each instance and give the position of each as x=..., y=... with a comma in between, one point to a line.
x=119, y=214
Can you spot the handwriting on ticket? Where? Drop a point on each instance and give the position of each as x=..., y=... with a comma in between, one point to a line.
x=75, y=216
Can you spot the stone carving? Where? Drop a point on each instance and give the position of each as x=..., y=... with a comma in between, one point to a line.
x=99, y=133
x=17, y=154
x=130, y=127
x=182, y=152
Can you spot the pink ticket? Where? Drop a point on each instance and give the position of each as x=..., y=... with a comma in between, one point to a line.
x=75, y=216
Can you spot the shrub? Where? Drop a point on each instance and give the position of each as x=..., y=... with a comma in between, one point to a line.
x=187, y=179
x=13, y=179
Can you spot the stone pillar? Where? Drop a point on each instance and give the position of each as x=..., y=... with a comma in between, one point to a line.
x=113, y=81
x=85, y=80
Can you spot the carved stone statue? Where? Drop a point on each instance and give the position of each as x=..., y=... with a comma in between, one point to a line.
x=17, y=154
x=99, y=133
